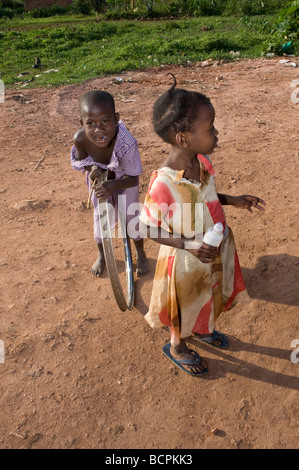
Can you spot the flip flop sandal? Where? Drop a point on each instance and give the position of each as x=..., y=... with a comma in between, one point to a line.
x=214, y=336
x=181, y=362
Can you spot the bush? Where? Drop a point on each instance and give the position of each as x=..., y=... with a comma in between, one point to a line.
x=11, y=8
x=81, y=6
x=285, y=32
x=253, y=7
x=47, y=12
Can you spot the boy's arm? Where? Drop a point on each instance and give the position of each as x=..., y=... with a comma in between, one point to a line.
x=79, y=154
x=242, y=202
x=103, y=190
x=79, y=139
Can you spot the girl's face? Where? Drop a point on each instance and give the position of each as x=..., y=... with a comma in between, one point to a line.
x=100, y=124
x=203, y=135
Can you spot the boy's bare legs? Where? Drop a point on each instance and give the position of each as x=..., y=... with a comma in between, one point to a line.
x=181, y=351
x=142, y=261
x=99, y=266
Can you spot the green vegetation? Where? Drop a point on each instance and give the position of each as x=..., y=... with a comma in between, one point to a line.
x=78, y=47
x=285, y=31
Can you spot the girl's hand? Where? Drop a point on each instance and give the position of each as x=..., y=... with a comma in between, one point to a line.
x=247, y=202
x=105, y=189
x=206, y=253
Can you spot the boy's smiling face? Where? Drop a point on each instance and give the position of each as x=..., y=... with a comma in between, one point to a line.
x=100, y=124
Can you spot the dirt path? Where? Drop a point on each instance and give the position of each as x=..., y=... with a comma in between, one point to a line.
x=78, y=372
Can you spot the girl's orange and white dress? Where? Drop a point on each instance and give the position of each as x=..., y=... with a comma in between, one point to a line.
x=189, y=295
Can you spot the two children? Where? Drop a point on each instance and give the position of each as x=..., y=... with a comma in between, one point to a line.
x=103, y=143
x=192, y=286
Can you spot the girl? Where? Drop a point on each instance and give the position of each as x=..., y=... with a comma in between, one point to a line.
x=192, y=286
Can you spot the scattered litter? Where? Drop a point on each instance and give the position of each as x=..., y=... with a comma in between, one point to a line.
x=51, y=70
x=288, y=63
x=22, y=74
x=233, y=53
x=128, y=101
x=259, y=122
x=206, y=63
x=117, y=80
x=287, y=47
x=270, y=54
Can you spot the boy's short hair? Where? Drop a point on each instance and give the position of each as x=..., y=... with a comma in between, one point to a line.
x=95, y=97
x=176, y=111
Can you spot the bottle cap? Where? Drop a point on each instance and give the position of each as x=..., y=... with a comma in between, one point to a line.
x=218, y=228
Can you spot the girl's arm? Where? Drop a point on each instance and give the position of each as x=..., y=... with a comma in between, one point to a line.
x=242, y=202
x=205, y=253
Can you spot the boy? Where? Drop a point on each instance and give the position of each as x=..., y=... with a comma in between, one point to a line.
x=103, y=143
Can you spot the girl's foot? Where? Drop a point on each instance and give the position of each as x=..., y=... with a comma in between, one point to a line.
x=219, y=340
x=182, y=352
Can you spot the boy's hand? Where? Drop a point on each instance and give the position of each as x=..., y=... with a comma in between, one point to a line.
x=105, y=189
x=247, y=202
x=206, y=253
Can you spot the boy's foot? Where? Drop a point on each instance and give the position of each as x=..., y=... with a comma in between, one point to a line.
x=183, y=354
x=142, y=265
x=142, y=262
x=98, y=267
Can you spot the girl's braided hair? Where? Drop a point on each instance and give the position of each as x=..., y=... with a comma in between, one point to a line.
x=176, y=110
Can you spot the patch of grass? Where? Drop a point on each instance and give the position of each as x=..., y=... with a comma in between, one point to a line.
x=85, y=48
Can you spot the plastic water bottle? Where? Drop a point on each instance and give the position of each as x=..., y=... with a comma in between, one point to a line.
x=214, y=235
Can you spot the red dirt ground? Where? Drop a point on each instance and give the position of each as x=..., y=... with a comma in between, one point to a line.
x=78, y=372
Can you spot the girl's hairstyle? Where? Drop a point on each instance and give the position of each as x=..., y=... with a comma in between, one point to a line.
x=95, y=97
x=176, y=110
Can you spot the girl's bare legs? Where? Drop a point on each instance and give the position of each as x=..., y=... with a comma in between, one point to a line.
x=99, y=266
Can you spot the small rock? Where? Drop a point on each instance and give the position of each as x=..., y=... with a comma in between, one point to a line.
x=118, y=430
x=215, y=431
x=36, y=371
x=101, y=422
